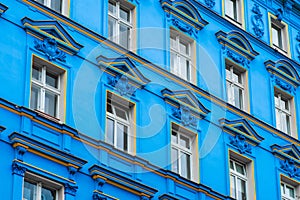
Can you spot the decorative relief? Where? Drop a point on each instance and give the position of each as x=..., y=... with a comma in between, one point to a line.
x=210, y=3
x=121, y=84
x=235, y=57
x=257, y=22
x=49, y=47
x=97, y=196
x=20, y=151
x=298, y=45
x=183, y=27
x=70, y=189
x=289, y=166
x=184, y=114
x=239, y=141
x=18, y=169
x=72, y=170
x=284, y=85
x=279, y=14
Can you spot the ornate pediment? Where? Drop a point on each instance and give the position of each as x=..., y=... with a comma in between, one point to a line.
x=51, y=30
x=183, y=15
x=123, y=74
x=3, y=8
x=186, y=106
x=236, y=47
x=284, y=74
x=242, y=132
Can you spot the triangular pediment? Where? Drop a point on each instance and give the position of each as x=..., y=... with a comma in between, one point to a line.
x=288, y=151
x=185, y=98
x=242, y=127
x=122, y=66
x=51, y=29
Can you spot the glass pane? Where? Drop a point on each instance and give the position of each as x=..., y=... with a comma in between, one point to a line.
x=238, y=97
x=241, y=189
x=228, y=74
x=109, y=108
x=183, y=65
x=232, y=185
x=286, y=104
x=237, y=77
x=111, y=27
x=121, y=113
x=36, y=74
x=173, y=42
x=41, y=1
x=174, y=137
x=183, y=48
x=185, y=165
x=50, y=104
x=276, y=100
x=122, y=137
x=124, y=36
x=52, y=80
x=276, y=36
x=110, y=131
x=56, y=5
x=184, y=141
x=286, y=124
x=240, y=168
x=290, y=191
x=48, y=194
x=229, y=92
x=174, y=158
x=112, y=8
x=125, y=14
x=34, y=97
x=231, y=165
x=174, y=68
x=278, y=119
x=231, y=9
x=29, y=192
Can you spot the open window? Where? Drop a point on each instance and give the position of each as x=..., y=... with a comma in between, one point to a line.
x=289, y=189
x=234, y=12
x=279, y=35
x=60, y=6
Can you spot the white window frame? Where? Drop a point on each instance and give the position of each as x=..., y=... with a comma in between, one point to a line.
x=176, y=68
x=116, y=36
x=283, y=112
x=282, y=30
x=176, y=161
x=238, y=176
x=41, y=182
x=64, y=6
x=283, y=191
x=234, y=13
x=116, y=103
x=43, y=87
x=231, y=85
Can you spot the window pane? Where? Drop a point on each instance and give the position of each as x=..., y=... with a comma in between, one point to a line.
x=174, y=158
x=36, y=74
x=241, y=189
x=238, y=97
x=41, y=1
x=290, y=191
x=29, y=192
x=34, y=97
x=185, y=165
x=56, y=5
x=52, y=80
x=173, y=42
x=276, y=36
x=184, y=48
x=278, y=119
x=121, y=113
x=184, y=141
x=183, y=65
x=174, y=137
x=124, y=36
x=174, y=68
x=111, y=28
x=240, y=168
x=125, y=14
x=110, y=131
x=48, y=194
x=232, y=186
x=50, y=104
x=231, y=9
x=112, y=8
x=122, y=137
x=231, y=165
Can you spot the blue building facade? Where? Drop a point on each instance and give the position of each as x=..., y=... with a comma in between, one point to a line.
x=149, y=99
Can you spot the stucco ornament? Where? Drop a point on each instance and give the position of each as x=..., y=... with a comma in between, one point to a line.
x=71, y=189
x=288, y=165
x=257, y=22
x=284, y=85
x=121, y=84
x=49, y=47
x=239, y=141
x=235, y=57
x=183, y=27
x=210, y=3
x=18, y=169
x=184, y=114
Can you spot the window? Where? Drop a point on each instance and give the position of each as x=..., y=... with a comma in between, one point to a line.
x=38, y=188
x=235, y=85
x=288, y=192
x=233, y=9
x=181, y=55
x=46, y=88
x=284, y=115
x=120, y=26
x=182, y=152
x=57, y=5
x=118, y=122
x=279, y=36
x=238, y=180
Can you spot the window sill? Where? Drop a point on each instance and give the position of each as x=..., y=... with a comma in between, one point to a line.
x=47, y=116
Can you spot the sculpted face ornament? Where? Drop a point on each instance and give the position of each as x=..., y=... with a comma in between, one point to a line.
x=49, y=47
